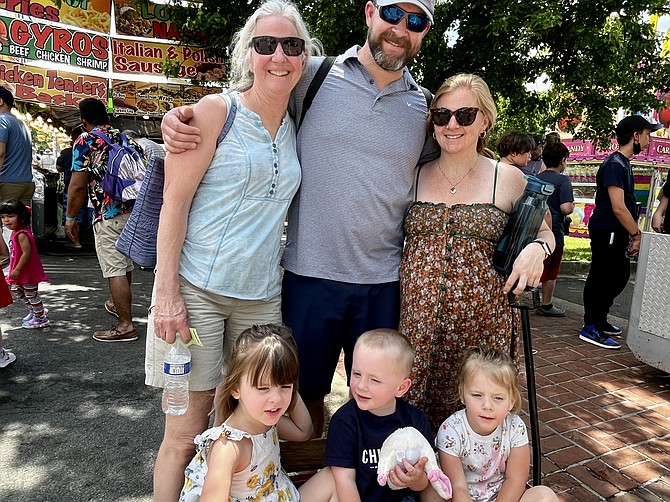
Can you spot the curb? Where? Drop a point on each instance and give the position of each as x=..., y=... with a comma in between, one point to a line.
x=582, y=268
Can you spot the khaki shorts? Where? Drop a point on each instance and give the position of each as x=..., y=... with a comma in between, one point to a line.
x=219, y=320
x=22, y=191
x=112, y=263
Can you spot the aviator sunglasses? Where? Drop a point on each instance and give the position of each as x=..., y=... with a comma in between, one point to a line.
x=267, y=45
x=392, y=14
x=464, y=116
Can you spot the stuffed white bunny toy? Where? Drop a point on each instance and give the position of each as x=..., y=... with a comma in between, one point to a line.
x=409, y=444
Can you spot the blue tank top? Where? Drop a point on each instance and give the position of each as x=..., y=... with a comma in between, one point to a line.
x=232, y=244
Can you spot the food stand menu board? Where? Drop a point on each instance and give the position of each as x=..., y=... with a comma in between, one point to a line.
x=146, y=20
x=146, y=58
x=51, y=87
x=142, y=98
x=89, y=14
x=25, y=40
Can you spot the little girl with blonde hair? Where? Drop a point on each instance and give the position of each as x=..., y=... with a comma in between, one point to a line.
x=484, y=448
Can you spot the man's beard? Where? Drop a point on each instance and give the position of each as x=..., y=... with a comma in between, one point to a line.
x=389, y=62
x=637, y=148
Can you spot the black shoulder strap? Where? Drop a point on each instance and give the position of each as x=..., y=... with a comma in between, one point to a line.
x=428, y=95
x=314, y=86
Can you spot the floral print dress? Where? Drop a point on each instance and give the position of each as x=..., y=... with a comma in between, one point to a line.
x=451, y=297
x=262, y=480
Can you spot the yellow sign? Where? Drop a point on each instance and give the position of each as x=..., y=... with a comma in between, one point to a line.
x=142, y=58
x=51, y=87
x=90, y=14
x=142, y=98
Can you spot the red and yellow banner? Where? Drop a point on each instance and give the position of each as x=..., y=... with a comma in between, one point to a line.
x=36, y=41
x=51, y=87
x=146, y=58
x=89, y=14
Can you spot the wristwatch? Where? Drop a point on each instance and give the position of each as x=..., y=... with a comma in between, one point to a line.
x=636, y=234
x=545, y=247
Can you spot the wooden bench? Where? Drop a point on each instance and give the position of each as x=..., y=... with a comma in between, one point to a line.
x=301, y=459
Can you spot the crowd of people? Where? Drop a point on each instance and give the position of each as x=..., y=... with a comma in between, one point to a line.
x=388, y=258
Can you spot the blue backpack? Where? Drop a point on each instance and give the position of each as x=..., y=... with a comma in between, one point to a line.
x=125, y=169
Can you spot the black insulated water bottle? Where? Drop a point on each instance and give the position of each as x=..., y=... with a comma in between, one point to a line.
x=523, y=225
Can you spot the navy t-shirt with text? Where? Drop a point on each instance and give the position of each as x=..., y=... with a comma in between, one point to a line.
x=355, y=438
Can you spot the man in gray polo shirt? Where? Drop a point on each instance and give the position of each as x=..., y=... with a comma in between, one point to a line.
x=358, y=146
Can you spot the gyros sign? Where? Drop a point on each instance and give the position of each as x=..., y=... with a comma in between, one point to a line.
x=37, y=41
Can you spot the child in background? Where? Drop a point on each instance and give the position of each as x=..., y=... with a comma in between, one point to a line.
x=484, y=448
x=239, y=460
x=382, y=362
x=6, y=358
x=25, y=267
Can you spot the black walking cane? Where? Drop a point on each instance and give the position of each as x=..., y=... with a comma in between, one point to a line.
x=524, y=304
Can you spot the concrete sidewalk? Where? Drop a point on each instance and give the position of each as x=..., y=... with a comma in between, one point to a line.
x=77, y=422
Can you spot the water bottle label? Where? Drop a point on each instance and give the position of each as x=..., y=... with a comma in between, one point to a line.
x=176, y=369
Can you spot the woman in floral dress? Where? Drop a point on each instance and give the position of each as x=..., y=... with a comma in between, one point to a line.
x=451, y=296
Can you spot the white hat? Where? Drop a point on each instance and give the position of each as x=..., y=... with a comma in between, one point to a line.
x=428, y=6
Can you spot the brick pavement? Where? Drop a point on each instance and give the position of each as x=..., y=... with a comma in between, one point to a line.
x=604, y=416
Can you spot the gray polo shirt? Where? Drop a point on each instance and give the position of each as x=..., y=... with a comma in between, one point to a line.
x=358, y=148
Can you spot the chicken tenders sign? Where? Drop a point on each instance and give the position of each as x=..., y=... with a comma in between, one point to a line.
x=51, y=87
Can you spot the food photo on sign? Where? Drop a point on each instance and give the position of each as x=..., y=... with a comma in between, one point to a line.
x=92, y=15
x=146, y=19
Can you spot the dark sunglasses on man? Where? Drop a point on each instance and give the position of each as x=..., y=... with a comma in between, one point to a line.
x=393, y=14
x=464, y=116
x=266, y=45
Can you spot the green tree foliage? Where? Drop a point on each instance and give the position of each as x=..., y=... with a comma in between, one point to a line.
x=600, y=55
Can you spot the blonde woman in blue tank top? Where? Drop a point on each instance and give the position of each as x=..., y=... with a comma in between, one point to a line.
x=221, y=223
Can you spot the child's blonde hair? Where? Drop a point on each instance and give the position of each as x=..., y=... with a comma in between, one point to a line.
x=265, y=354
x=497, y=365
x=390, y=340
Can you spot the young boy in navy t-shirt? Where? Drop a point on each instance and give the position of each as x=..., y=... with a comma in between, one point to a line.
x=382, y=362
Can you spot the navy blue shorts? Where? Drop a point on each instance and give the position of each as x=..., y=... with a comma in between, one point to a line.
x=328, y=316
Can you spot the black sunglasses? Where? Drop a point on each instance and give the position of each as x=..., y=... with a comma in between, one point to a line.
x=393, y=14
x=464, y=116
x=267, y=45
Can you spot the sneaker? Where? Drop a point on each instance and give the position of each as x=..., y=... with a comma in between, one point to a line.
x=592, y=335
x=32, y=314
x=553, y=311
x=6, y=358
x=609, y=329
x=114, y=335
x=36, y=322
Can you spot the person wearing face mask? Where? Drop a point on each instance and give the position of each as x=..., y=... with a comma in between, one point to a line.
x=614, y=232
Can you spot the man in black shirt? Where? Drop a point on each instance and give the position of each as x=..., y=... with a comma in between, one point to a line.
x=614, y=232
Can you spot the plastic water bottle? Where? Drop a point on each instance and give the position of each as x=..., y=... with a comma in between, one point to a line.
x=176, y=370
x=523, y=225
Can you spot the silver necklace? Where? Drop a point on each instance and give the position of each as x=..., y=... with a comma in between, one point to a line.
x=452, y=190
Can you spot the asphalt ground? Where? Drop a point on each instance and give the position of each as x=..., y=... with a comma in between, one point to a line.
x=77, y=422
